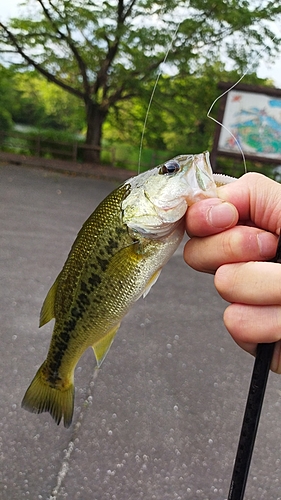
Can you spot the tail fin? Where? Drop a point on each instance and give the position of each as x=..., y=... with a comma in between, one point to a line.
x=41, y=396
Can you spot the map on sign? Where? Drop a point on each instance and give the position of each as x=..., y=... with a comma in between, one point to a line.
x=255, y=122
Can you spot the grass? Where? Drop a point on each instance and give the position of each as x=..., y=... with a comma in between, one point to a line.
x=127, y=156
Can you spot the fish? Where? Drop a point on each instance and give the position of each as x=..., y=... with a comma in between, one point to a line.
x=115, y=259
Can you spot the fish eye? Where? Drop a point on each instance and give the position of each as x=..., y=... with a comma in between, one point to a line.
x=170, y=167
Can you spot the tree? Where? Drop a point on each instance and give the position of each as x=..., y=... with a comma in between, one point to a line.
x=177, y=120
x=104, y=52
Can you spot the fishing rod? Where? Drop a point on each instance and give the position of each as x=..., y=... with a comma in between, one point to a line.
x=252, y=413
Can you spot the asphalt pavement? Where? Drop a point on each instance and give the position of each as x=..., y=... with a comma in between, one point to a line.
x=161, y=418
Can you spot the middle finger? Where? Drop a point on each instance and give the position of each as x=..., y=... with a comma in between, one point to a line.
x=255, y=283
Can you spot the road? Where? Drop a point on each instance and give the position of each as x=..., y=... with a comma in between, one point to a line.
x=161, y=418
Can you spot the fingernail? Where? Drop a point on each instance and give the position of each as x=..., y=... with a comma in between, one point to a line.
x=265, y=245
x=222, y=215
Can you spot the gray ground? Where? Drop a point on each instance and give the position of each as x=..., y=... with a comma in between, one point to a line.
x=162, y=418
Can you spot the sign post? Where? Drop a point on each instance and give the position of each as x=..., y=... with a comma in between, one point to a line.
x=253, y=116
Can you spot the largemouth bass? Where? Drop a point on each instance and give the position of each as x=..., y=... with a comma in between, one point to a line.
x=116, y=258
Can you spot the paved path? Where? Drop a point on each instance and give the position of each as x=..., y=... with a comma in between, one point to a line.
x=162, y=418
x=68, y=167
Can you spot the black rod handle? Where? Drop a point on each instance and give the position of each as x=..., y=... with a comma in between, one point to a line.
x=250, y=421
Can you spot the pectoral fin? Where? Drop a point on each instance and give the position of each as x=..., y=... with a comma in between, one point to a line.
x=48, y=309
x=151, y=282
x=102, y=347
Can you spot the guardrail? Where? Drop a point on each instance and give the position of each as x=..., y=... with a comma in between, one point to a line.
x=40, y=146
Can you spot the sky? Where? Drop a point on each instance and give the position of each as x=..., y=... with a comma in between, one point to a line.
x=272, y=71
x=265, y=70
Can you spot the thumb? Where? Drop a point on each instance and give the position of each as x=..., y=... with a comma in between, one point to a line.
x=210, y=216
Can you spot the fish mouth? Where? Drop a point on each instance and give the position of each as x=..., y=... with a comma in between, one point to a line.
x=200, y=179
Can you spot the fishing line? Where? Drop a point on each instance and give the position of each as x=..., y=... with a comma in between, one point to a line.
x=153, y=93
x=221, y=124
x=159, y=74
x=70, y=448
x=223, y=94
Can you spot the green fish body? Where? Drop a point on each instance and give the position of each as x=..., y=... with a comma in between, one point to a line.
x=117, y=256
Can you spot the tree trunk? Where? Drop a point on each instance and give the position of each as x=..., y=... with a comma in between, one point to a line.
x=95, y=119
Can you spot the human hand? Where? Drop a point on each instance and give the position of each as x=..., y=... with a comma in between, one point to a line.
x=232, y=237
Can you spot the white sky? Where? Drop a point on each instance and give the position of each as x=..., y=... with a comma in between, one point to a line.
x=265, y=70
x=272, y=71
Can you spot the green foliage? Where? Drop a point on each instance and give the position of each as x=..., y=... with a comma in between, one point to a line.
x=177, y=121
x=7, y=99
x=43, y=104
x=106, y=52
x=6, y=121
x=47, y=143
x=235, y=167
x=126, y=155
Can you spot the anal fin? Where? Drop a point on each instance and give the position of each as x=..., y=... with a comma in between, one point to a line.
x=48, y=308
x=102, y=347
